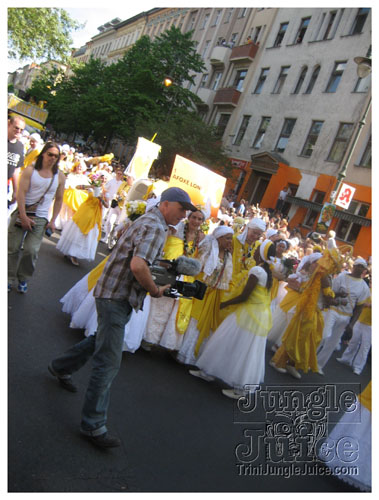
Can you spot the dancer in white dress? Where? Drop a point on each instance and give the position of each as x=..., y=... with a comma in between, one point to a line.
x=169, y=317
x=235, y=353
x=214, y=253
x=80, y=236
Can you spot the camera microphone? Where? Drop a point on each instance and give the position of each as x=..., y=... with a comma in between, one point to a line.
x=187, y=266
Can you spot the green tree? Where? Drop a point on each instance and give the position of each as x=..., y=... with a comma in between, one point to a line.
x=127, y=99
x=40, y=33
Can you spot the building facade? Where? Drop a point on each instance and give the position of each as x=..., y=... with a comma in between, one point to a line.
x=281, y=86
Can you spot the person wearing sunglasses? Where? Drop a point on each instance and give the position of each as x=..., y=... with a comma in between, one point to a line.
x=40, y=185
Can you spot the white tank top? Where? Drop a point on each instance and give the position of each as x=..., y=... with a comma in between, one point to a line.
x=38, y=186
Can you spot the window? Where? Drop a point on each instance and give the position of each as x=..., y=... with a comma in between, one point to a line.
x=340, y=142
x=205, y=21
x=365, y=160
x=313, y=215
x=300, y=80
x=243, y=12
x=313, y=79
x=280, y=35
x=312, y=138
x=205, y=50
x=256, y=34
x=204, y=80
x=363, y=84
x=302, y=29
x=331, y=18
x=359, y=21
x=217, y=17
x=239, y=79
x=261, y=132
x=192, y=23
x=228, y=15
x=261, y=80
x=221, y=125
x=336, y=76
x=233, y=39
x=281, y=79
x=347, y=230
x=216, y=80
x=287, y=129
x=242, y=130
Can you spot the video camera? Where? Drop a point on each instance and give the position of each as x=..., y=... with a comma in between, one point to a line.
x=165, y=272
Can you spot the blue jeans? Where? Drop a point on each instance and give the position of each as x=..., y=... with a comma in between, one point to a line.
x=106, y=351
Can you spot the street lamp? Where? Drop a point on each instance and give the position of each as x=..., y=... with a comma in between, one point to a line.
x=168, y=81
x=363, y=70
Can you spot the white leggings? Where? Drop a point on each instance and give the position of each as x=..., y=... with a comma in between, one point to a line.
x=334, y=327
x=359, y=346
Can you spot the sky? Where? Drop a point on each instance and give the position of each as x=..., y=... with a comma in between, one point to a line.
x=93, y=15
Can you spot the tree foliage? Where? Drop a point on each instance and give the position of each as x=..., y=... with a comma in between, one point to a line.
x=127, y=99
x=39, y=33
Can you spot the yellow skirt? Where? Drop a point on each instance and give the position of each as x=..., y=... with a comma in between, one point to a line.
x=300, y=342
x=74, y=198
x=207, y=314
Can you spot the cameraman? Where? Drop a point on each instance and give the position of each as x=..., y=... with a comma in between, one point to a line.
x=122, y=287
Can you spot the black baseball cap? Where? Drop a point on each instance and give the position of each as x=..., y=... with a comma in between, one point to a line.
x=179, y=195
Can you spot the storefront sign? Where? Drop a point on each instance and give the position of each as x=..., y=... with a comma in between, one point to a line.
x=345, y=196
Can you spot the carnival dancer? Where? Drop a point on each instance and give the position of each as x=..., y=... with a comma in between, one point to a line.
x=356, y=353
x=343, y=316
x=280, y=270
x=286, y=308
x=161, y=328
x=75, y=193
x=235, y=353
x=217, y=269
x=304, y=332
x=114, y=211
x=244, y=246
x=35, y=147
x=80, y=236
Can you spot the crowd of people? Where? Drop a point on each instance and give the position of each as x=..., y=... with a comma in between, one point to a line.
x=267, y=286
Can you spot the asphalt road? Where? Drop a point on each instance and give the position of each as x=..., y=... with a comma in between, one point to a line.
x=179, y=433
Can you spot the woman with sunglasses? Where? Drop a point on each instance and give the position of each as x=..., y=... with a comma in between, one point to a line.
x=40, y=184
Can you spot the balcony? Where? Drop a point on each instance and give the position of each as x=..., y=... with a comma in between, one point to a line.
x=220, y=56
x=206, y=95
x=227, y=97
x=244, y=53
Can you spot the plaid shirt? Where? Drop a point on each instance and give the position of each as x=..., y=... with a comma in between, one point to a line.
x=145, y=238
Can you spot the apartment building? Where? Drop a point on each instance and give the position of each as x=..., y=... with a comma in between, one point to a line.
x=288, y=106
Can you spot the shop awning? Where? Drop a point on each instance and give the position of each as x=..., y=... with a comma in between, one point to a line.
x=339, y=214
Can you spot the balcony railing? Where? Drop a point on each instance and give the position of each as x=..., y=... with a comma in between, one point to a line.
x=245, y=52
x=339, y=214
x=220, y=55
x=206, y=95
x=227, y=97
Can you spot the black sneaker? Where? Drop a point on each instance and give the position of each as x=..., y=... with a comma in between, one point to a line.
x=65, y=381
x=103, y=440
